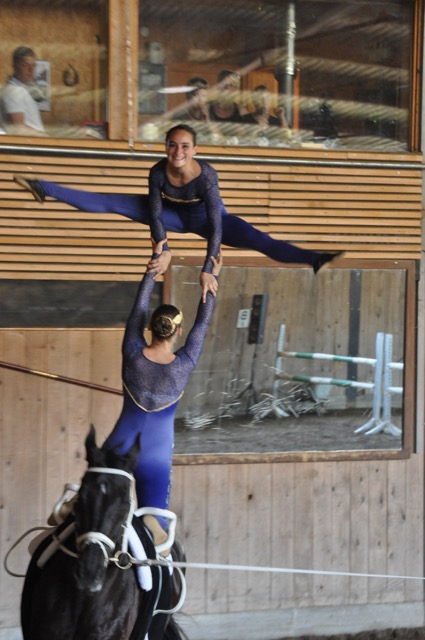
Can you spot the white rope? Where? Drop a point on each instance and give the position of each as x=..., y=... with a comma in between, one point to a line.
x=231, y=567
x=6, y=558
x=240, y=567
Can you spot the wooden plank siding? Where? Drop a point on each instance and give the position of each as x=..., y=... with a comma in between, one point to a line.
x=358, y=208
x=42, y=449
x=361, y=516
x=370, y=212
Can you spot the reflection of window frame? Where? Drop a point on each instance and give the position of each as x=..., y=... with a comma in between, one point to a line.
x=153, y=102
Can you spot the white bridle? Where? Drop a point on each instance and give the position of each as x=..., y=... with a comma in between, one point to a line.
x=96, y=537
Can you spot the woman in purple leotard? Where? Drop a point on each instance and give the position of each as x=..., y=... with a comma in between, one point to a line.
x=154, y=379
x=184, y=197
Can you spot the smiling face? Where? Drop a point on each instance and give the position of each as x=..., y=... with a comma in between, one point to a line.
x=180, y=148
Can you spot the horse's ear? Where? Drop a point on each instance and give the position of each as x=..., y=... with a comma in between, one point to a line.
x=90, y=443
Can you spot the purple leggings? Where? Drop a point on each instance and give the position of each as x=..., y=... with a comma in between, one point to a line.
x=183, y=218
x=153, y=468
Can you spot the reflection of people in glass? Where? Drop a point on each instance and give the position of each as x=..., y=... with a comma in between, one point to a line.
x=319, y=117
x=225, y=107
x=262, y=99
x=184, y=197
x=196, y=109
x=154, y=379
x=18, y=106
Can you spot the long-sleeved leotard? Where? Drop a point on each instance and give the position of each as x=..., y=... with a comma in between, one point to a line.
x=186, y=202
x=151, y=395
x=193, y=208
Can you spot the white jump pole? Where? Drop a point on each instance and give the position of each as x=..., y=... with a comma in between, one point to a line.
x=375, y=420
x=377, y=363
x=279, y=412
x=386, y=425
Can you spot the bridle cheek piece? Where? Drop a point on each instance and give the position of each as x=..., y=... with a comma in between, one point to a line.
x=104, y=542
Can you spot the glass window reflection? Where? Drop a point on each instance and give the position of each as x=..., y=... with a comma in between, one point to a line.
x=307, y=73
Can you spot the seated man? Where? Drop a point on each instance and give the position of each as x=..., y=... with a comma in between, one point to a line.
x=18, y=108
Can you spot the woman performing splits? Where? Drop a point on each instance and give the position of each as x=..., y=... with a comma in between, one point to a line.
x=154, y=379
x=184, y=197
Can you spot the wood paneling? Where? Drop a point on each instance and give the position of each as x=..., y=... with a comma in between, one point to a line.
x=370, y=212
x=311, y=520
x=362, y=516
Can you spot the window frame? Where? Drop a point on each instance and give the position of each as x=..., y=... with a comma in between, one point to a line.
x=123, y=54
x=409, y=396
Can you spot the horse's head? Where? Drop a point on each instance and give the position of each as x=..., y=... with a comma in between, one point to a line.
x=102, y=511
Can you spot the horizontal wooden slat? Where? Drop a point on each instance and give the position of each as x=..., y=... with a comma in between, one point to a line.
x=369, y=212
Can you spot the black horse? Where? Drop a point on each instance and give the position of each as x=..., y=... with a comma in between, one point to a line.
x=84, y=586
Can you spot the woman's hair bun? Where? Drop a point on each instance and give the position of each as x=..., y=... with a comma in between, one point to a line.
x=166, y=320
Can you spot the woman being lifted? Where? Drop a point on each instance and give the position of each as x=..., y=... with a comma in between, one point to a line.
x=184, y=197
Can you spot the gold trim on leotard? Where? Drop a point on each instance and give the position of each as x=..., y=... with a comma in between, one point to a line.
x=164, y=196
x=165, y=406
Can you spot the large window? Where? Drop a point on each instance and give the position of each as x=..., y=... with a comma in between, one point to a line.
x=53, y=62
x=303, y=73
x=335, y=74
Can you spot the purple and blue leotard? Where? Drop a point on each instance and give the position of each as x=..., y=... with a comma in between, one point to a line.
x=193, y=208
x=151, y=395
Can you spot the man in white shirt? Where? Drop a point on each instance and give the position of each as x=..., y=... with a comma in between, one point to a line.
x=19, y=109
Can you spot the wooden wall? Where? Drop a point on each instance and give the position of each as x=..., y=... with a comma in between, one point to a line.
x=357, y=515
x=319, y=204
x=363, y=516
